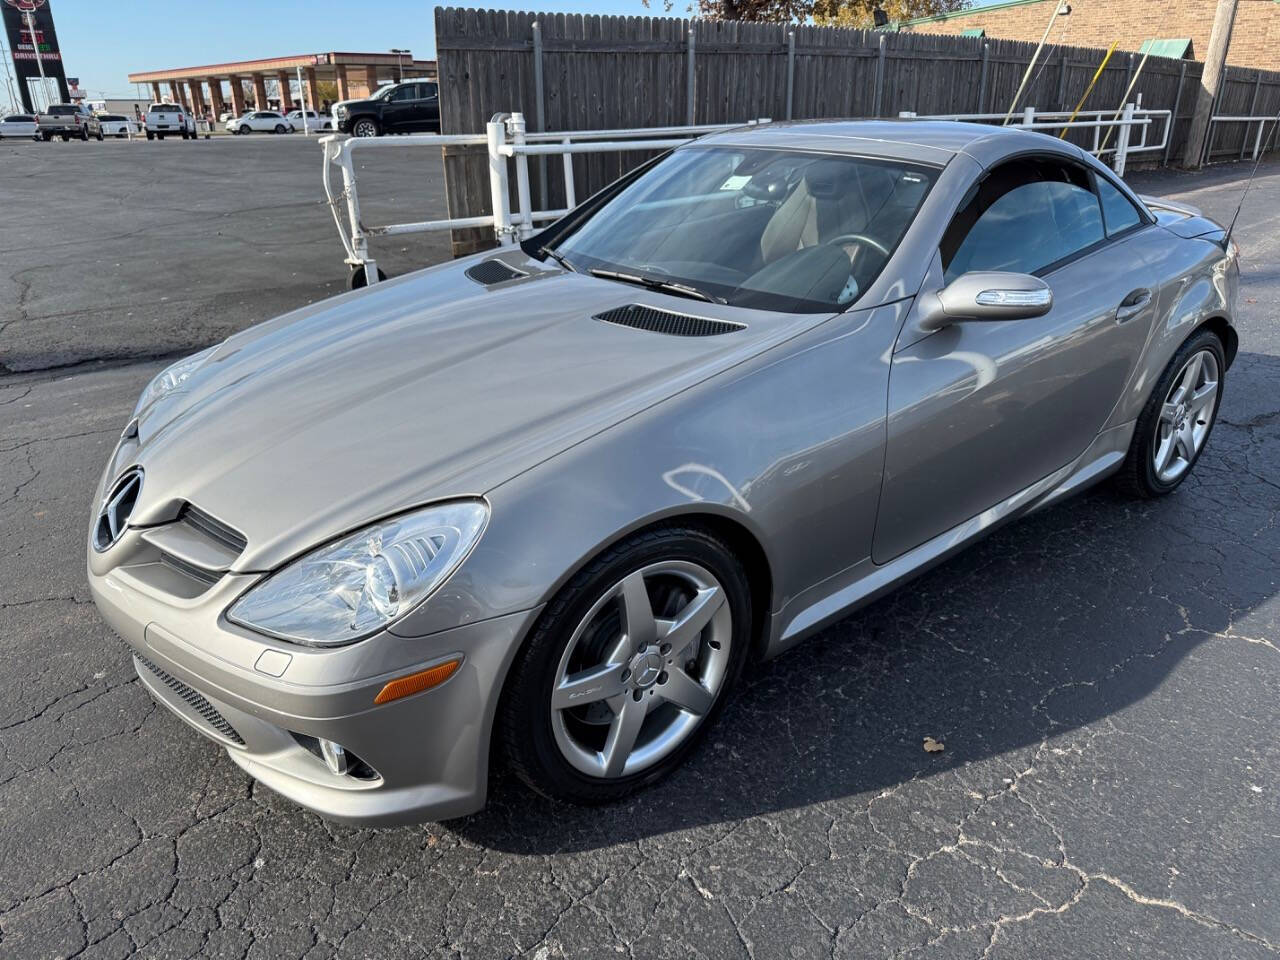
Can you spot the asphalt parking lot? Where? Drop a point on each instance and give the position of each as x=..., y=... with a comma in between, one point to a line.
x=1104, y=675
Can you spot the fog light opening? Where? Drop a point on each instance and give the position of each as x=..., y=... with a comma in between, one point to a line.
x=335, y=757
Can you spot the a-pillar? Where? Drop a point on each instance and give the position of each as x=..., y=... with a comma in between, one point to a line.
x=259, y=92
x=237, y=97
x=215, y=98
x=313, y=91
x=155, y=92
x=286, y=97
x=340, y=75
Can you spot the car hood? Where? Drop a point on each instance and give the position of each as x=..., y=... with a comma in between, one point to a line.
x=422, y=388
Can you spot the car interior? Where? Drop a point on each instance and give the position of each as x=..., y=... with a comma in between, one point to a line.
x=761, y=227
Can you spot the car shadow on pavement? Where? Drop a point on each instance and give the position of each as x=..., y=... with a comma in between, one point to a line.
x=1051, y=625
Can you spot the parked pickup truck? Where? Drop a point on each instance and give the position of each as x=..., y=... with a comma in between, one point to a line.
x=67, y=120
x=166, y=118
x=405, y=107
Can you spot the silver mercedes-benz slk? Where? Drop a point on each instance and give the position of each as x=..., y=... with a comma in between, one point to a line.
x=549, y=499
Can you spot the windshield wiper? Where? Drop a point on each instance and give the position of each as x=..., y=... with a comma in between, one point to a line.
x=654, y=283
x=559, y=258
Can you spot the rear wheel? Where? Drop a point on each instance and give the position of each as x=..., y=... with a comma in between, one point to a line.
x=628, y=666
x=150, y=135
x=99, y=134
x=1174, y=427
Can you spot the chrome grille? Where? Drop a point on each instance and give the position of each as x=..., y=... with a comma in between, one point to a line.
x=213, y=528
x=195, y=700
x=667, y=322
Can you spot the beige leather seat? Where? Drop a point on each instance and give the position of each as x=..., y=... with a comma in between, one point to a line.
x=805, y=220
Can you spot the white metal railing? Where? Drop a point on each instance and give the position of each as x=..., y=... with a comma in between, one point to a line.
x=1123, y=121
x=1258, y=138
x=507, y=139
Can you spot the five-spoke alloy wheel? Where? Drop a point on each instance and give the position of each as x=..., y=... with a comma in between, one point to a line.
x=627, y=666
x=1173, y=428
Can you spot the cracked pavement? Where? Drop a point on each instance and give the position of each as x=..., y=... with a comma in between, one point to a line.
x=1104, y=676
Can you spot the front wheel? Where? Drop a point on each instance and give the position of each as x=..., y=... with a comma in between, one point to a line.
x=1174, y=426
x=627, y=667
x=280, y=128
x=359, y=279
x=365, y=127
x=99, y=134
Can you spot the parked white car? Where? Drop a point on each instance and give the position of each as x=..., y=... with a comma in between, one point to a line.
x=18, y=125
x=117, y=125
x=260, y=121
x=315, y=121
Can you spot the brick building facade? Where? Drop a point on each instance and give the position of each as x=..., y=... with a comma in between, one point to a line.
x=1255, y=42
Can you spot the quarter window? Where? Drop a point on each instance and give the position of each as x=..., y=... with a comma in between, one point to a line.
x=1118, y=212
x=1026, y=215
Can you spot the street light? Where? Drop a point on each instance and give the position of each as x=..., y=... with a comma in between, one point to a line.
x=400, y=63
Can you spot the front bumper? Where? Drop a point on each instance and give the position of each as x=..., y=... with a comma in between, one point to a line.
x=429, y=751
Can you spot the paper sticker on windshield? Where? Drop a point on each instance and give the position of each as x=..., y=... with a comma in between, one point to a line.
x=735, y=182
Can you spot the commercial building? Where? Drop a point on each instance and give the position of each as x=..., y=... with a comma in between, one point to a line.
x=242, y=85
x=1179, y=28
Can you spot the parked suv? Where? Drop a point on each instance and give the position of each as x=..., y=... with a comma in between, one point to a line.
x=406, y=107
x=67, y=120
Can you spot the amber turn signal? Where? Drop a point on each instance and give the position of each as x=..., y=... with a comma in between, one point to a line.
x=417, y=682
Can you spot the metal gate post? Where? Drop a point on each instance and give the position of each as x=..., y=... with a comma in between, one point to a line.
x=525, y=227
x=1253, y=106
x=1028, y=116
x=791, y=69
x=1122, y=143
x=359, y=240
x=539, y=117
x=982, y=82
x=879, y=91
x=498, y=189
x=690, y=82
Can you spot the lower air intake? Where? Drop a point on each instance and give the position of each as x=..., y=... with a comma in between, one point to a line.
x=667, y=322
x=192, y=698
x=493, y=271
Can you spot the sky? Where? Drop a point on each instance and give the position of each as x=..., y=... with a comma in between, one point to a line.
x=102, y=43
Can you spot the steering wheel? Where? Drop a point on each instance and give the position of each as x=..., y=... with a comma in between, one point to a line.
x=861, y=238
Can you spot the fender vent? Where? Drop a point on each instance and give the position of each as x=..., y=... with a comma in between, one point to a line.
x=490, y=272
x=665, y=321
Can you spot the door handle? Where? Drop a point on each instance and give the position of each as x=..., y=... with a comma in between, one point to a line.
x=1133, y=304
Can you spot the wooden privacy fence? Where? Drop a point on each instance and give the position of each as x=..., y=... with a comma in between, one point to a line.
x=590, y=72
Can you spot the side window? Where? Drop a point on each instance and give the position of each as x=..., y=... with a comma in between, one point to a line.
x=1118, y=213
x=407, y=92
x=428, y=91
x=1024, y=216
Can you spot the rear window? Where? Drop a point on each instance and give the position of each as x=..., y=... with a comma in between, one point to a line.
x=18, y=118
x=61, y=110
x=164, y=107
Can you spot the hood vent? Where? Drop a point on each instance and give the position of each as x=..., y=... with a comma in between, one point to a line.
x=667, y=322
x=489, y=272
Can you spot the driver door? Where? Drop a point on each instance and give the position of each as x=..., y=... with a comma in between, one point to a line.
x=978, y=411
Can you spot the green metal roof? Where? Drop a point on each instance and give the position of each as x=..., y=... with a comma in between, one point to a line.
x=987, y=8
x=1175, y=48
x=973, y=32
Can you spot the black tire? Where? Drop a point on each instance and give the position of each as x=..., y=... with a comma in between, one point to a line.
x=1137, y=477
x=150, y=135
x=365, y=127
x=358, y=280
x=46, y=137
x=524, y=725
x=99, y=134
x=84, y=134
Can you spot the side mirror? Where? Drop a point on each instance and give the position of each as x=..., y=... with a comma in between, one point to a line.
x=985, y=296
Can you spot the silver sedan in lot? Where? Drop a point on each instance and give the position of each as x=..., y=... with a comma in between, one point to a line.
x=543, y=503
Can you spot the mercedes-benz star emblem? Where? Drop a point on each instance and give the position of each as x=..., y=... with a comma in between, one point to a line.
x=113, y=516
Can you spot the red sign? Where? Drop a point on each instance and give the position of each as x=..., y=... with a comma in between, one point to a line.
x=26, y=6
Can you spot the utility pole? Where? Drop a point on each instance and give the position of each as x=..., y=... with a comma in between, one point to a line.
x=1215, y=66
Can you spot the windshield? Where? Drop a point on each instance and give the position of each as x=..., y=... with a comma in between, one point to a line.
x=774, y=229
x=383, y=90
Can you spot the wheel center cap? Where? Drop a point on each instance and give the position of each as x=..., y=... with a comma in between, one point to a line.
x=645, y=668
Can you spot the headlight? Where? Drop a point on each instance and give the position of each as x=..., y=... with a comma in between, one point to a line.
x=359, y=584
x=171, y=378
x=340, y=111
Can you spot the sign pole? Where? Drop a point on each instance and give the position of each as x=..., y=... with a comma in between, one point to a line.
x=35, y=46
x=302, y=95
